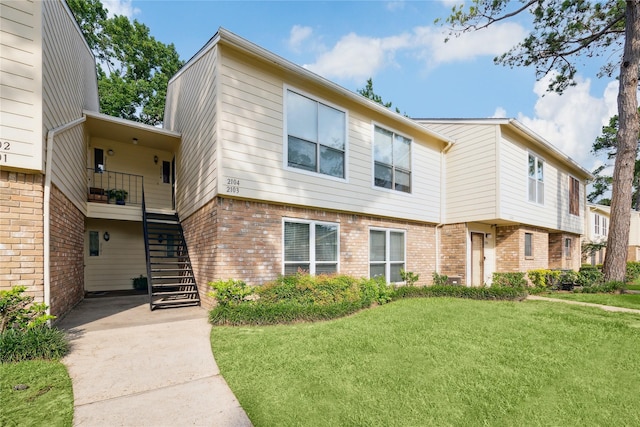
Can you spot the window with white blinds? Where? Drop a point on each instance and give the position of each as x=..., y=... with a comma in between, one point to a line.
x=386, y=254
x=311, y=247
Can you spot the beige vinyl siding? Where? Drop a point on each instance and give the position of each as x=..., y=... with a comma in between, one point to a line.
x=471, y=189
x=135, y=160
x=252, y=150
x=69, y=86
x=21, y=84
x=554, y=213
x=634, y=232
x=120, y=259
x=191, y=110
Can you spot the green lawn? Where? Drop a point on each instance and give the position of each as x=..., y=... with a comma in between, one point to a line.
x=439, y=361
x=616, y=300
x=635, y=286
x=47, y=402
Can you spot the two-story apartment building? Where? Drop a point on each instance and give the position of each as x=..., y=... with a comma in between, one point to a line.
x=596, y=230
x=263, y=168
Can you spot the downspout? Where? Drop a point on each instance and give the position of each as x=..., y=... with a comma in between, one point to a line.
x=443, y=187
x=51, y=134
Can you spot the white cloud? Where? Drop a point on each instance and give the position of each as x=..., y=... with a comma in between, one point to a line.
x=356, y=57
x=297, y=37
x=395, y=5
x=120, y=7
x=500, y=113
x=573, y=120
x=490, y=41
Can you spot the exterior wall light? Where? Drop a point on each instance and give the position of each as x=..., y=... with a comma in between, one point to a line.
x=155, y=159
x=106, y=236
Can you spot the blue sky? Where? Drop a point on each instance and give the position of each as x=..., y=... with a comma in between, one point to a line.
x=399, y=46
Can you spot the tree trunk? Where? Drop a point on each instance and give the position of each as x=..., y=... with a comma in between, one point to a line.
x=622, y=188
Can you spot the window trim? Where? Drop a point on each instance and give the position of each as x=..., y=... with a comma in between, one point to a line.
x=375, y=124
x=596, y=224
x=577, y=196
x=387, y=262
x=312, y=247
x=532, y=252
x=285, y=134
x=538, y=159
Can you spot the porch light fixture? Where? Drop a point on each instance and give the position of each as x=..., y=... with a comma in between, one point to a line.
x=155, y=159
x=135, y=141
x=106, y=236
x=110, y=152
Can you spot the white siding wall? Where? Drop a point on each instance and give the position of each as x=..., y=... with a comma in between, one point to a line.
x=514, y=204
x=21, y=84
x=69, y=86
x=634, y=232
x=191, y=109
x=120, y=259
x=252, y=150
x=471, y=172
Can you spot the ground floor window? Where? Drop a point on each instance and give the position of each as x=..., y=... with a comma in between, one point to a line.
x=567, y=248
x=94, y=243
x=386, y=254
x=311, y=247
x=528, y=245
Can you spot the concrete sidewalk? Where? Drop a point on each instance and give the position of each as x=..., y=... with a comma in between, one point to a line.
x=134, y=367
x=585, y=304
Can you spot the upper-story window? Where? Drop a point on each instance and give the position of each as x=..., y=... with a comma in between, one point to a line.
x=574, y=196
x=605, y=226
x=392, y=160
x=536, y=179
x=596, y=224
x=316, y=136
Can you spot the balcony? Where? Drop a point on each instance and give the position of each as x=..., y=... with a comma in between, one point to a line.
x=115, y=187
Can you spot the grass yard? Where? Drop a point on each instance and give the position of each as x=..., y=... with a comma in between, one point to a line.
x=47, y=402
x=616, y=300
x=439, y=361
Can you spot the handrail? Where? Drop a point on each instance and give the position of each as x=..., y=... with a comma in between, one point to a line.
x=103, y=185
x=146, y=249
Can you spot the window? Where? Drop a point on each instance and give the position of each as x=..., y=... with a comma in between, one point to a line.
x=574, y=196
x=596, y=224
x=316, y=136
x=567, y=248
x=536, y=179
x=310, y=246
x=386, y=254
x=98, y=160
x=528, y=245
x=392, y=160
x=166, y=172
x=605, y=226
x=94, y=243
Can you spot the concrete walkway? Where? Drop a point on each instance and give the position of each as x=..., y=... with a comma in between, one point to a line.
x=586, y=304
x=134, y=367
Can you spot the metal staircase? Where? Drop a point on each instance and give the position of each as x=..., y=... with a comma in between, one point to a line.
x=170, y=277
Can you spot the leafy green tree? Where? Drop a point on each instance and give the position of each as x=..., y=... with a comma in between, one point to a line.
x=133, y=68
x=564, y=32
x=606, y=143
x=368, y=92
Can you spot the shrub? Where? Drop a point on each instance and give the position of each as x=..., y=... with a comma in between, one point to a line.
x=509, y=280
x=40, y=342
x=18, y=311
x=481, y=292
x=140, y=283
x=607, y=288
x=440, y=279
x=230, y=292
x=409, y=277
x=633, y=271
x=589, y=276
x=543, y=278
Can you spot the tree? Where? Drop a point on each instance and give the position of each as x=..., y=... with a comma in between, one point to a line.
x=368, y=92
x=133, y=68
x=606, y=143
x=563, y=32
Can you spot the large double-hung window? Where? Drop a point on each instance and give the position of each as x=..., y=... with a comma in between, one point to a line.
x=392, y=160
x=536, y=179
x=386, y=254
x=311, y=247
x=316, y=136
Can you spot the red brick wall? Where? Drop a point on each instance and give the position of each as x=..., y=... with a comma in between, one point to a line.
x=453, y=254
x=67, y=253
x=510, y=249
x=239, y=239
x=22, y=232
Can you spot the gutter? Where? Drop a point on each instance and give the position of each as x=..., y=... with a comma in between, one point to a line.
x=51, y=134
x=443, y=188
